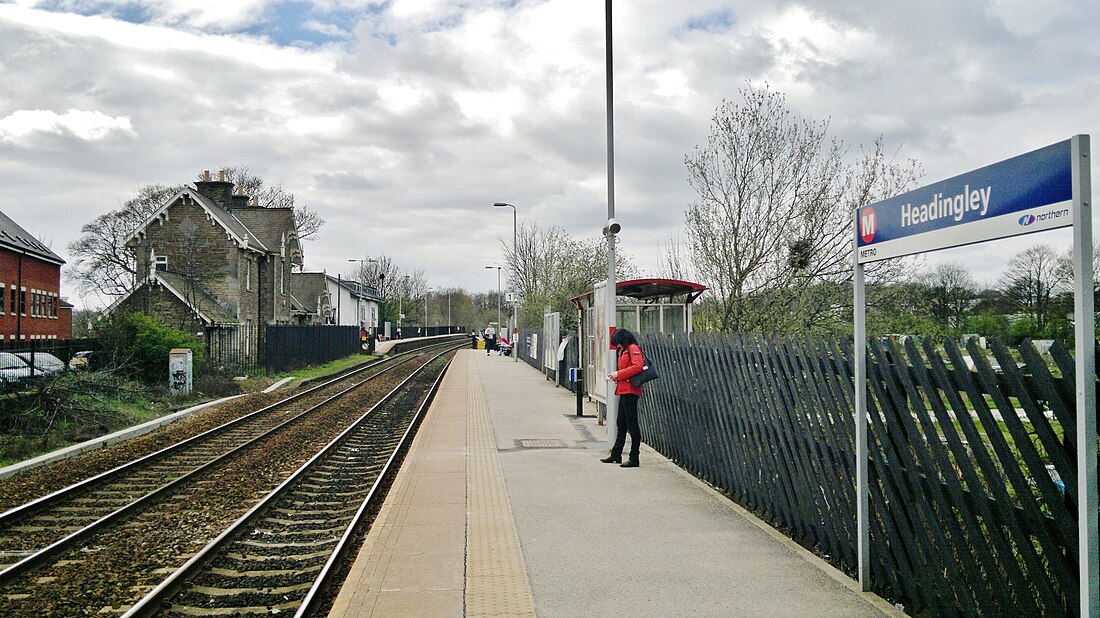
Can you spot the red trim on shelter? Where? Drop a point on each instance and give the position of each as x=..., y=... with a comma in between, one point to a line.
x=650, y=289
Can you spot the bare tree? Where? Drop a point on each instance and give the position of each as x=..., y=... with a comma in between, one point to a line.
x=548, y=267
x=952, y=292
x=307, y=223
x=1031, y=282
x=103, y=265
x=770, y=232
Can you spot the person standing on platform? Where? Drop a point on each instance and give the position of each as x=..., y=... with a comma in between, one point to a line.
x=490, y=338
x=630, y=362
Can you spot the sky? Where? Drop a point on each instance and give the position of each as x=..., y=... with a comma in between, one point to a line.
x=401, y=122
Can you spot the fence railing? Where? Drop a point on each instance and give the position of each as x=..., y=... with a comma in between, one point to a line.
x=290, y=347
x=972, y=471
x=532, y=355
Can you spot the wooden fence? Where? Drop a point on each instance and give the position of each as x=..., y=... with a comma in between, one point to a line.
x=972, y=468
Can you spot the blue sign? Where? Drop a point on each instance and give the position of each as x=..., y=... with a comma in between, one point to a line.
x=1025, y=194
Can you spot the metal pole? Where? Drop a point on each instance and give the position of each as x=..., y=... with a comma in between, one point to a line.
x=1085, y=365
x=515, y=303
x=612, y=288
x=859, y=346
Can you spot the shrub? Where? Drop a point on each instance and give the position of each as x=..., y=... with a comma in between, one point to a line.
x=140, y=346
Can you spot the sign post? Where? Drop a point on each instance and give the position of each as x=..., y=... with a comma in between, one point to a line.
x=1045, y=189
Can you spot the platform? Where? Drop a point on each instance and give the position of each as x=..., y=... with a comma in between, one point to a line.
x=502, y=508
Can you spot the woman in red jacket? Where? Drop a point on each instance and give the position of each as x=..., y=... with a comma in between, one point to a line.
x=630, y=363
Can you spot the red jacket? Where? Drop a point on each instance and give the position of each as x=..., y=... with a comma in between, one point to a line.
x=631, y=363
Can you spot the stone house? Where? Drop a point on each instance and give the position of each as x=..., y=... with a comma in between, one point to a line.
x=213, y=262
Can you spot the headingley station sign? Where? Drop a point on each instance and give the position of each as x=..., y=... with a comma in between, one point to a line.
x=1021, y=195
x=1042, y=190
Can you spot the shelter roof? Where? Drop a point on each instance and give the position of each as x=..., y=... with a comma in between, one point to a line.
x=651, y=290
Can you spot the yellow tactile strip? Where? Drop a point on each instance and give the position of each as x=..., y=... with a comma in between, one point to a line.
x=496, y=578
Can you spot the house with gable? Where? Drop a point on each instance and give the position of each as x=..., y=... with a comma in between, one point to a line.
x=213, y=262
x=31, y=306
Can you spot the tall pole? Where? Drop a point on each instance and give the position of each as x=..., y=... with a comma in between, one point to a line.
x=612, y=288
x=498, y=292
x=515, y=270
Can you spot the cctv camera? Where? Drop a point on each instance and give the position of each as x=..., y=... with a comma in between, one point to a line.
x=611, y=228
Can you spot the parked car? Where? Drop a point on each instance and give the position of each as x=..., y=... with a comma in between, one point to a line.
x=80, y=360
x=13, y=369
x=42, y=363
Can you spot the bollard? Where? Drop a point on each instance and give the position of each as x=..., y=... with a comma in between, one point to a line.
x=576, y=376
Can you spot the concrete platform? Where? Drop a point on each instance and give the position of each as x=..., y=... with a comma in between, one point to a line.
x=503, y=509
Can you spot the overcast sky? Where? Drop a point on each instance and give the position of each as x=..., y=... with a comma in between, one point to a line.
x=401, y=122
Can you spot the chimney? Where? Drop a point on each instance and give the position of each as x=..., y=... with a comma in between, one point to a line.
x=239, y=199
x=220, y=190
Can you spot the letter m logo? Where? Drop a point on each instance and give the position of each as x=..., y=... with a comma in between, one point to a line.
x=867, y=225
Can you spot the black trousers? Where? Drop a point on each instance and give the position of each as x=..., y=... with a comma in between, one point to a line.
x=627, y=422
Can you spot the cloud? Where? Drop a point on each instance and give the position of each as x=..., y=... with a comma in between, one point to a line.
x=85, y=125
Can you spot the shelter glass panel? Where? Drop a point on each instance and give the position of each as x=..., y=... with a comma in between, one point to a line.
x=674, y=318
x=627, y=317
x=650, y=319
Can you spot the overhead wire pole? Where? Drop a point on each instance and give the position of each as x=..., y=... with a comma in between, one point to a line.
x=611, y=228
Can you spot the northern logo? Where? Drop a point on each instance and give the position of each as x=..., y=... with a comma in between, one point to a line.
x=867, y=225
x=1027, y=219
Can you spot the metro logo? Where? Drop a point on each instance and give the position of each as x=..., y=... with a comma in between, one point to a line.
x=867, y=225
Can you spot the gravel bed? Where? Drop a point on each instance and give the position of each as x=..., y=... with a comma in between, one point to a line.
x=117, y=566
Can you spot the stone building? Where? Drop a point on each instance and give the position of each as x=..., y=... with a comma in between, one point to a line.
x=213, y=262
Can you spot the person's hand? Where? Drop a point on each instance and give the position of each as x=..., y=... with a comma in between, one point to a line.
x=614, y=375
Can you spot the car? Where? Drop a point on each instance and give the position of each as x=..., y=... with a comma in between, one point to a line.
x=42, y=363
x=80, y=359
x=13, y=369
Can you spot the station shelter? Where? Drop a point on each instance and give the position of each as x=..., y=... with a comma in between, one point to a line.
x=642, y=306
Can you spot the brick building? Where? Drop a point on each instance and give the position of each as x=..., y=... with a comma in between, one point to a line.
x=31, y=306
x=212, y=259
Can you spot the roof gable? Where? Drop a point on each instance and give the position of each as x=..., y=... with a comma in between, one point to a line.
x=234, y=228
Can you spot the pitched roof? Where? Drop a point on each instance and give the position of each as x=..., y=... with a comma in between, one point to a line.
x=272, y=226
x=209, y=310
x=15, y=238
x=236, y=230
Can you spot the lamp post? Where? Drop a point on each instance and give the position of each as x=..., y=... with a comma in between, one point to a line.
x=498, y=292
x=426, y=293
x=515, y=272
x=611, y=229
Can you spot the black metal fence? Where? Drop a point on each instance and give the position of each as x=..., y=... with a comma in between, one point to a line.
x=533, y=356
x=973, y=480
x=291, y=347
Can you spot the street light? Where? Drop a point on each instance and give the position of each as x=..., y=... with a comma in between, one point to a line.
x=515, y=271
x=498, y=292
x=426, y=292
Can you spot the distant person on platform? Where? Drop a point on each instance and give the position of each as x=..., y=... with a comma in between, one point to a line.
x=490, y=338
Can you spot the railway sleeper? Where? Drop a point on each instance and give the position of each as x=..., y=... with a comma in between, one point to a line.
x=245, y=592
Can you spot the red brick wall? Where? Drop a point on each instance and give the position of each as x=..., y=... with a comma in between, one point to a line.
x=41, y=282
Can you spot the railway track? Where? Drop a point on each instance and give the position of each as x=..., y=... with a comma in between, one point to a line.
x=177, y=498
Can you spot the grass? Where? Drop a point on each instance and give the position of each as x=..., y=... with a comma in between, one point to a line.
x=314, y=371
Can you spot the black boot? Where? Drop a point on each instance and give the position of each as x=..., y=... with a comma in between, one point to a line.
x=630, y=463
x=612, y=459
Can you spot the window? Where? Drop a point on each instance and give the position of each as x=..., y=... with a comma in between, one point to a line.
x=3, y=305
x=247, y=274
x=23, y=301
x=161, y=262
x=282, y=279
x=53, y=306
x=14, y=300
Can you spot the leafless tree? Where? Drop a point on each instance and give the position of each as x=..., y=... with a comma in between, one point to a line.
x=1031, y=282
x=307, y=222
x=770, y=232
x=103, y=266
x=951, y=293
x=548, y=266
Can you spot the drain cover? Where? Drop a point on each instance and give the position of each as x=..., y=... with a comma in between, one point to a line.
x=540, y=444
